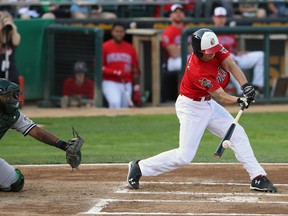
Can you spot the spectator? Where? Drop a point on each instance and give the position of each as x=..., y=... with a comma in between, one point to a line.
x=54, y=10
x=245, y=60
x=94, y=12
x=277, y=9
x=79, y=11
x=206, y=8
x=78, y=90
x=171, y=42
x=171, y=38
x=250, y=10
x=187, y=8
x=120, y=70
x=10, y=39
x=12, y=179
x=98, y=13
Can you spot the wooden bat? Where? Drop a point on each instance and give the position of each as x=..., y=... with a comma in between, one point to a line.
x=220, y=149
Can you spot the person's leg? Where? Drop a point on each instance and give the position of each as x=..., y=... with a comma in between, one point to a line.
x=124, y=100
x=219, y=125
x=253, y=60
x=113, y=93
x=193, y=117
x=10, y=179
x=174, y=64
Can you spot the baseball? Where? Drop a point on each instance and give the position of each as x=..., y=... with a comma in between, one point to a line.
x=226, y=144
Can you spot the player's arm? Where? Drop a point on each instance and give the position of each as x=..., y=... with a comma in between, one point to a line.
x=173, y=50
x=222, y=97
x=230, y=65
x=46, y=137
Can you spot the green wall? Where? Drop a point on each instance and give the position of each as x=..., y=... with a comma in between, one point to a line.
x=30, y=55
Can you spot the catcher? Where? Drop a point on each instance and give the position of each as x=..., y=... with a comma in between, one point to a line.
x=12, y=179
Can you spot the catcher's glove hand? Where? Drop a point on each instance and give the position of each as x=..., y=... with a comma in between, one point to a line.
x=73, y=150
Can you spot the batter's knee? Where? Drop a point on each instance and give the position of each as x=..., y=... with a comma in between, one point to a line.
x=19, y=184
x=185, y=157
x=260, y=55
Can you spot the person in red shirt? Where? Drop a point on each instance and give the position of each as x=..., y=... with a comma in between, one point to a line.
x=121, y=71
x=206, y=75
x=78, y=90
x=171, y=38
x=246, y=60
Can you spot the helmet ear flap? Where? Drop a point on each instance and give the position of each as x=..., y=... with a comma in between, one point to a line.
x=198, y=54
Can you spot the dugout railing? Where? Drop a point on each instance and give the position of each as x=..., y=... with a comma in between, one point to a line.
x=65, y=46
x=266, y=33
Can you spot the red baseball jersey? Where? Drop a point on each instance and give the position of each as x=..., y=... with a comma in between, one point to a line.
x=230, y=42
x=120, y=56
x=86, y=90
x=201, y=77
x=171, y=35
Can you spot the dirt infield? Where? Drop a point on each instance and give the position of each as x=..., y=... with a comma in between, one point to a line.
x=196, y=189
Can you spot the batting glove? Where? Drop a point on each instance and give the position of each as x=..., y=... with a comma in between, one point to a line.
x=248, y=91
x=245, y=102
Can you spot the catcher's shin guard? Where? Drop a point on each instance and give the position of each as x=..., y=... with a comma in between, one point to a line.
x=19, y=184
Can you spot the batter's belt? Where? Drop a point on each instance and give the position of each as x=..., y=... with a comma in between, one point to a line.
x=206, y=98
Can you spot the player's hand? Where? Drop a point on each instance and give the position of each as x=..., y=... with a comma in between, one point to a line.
x=245, y=102
x=248, y=91
x=120, y=74
x=137, y=95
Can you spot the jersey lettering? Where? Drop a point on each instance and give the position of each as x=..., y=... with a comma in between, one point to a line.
x=221, y=75
x=119, y=57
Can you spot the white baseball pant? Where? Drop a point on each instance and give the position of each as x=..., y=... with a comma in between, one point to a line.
x=194, y=118
x=114, y=93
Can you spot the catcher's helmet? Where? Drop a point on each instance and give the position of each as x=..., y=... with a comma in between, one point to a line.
x=204, y=41
x=80, y=67
x=9, y=95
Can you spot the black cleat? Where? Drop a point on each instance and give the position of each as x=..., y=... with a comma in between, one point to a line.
x=262, y=183
x=134, y=174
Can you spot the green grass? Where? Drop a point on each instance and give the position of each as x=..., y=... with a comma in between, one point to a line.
x=125, y=138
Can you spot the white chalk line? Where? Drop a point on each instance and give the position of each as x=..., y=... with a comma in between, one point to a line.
x=131, y=191
x=125, y=164
x=97, y=209
x=224, y=198
x=205, y=183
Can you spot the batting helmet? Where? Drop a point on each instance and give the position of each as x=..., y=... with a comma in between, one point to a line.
x=204, y=41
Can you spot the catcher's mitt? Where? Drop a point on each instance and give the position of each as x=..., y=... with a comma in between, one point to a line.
x=73, y=150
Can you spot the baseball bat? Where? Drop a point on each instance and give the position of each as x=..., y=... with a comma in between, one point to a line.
x=220, y=149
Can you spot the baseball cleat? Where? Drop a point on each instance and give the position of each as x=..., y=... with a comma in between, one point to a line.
x=262, y=183
x=134, y=174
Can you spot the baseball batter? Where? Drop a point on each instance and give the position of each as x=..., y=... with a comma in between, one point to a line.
x=12, y=179
x=206, y=75
x=120, y=70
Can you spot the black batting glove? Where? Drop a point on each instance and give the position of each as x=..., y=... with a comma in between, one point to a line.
x=245, y=102
x=248, y=91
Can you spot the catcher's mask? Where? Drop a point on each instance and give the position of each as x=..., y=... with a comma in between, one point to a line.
x=9, y=95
